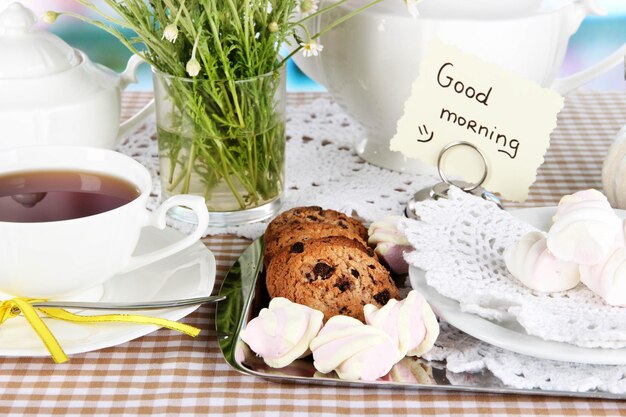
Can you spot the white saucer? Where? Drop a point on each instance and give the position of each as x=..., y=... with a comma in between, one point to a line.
x=510, y=335
x=189, y=273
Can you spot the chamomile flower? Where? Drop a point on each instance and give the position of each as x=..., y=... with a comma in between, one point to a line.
x=411, y=6
x=311, y=48
x=50, y=16
x=193, y=66
x=308, y=7
x=171, y=32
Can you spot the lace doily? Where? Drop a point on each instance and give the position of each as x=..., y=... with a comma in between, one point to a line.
x=322, y=168
x=467, y=358
x=459, y=242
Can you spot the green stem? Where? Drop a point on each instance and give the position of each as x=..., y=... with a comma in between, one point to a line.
x=230, y=81
x=344, y=18
x=189, y=170
x=102, y=13
x=319, y=12
x=228, y=180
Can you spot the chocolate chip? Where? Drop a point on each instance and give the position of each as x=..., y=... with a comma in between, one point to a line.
x=344, y=310
x=371, y=267
x=382, y=297
x=343, y=225
x=297, y=247
x=324, y=271
x=343, y=284
x=313, y=218
x=355, y=273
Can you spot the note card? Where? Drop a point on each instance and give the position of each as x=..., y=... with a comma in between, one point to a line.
x=459, y=97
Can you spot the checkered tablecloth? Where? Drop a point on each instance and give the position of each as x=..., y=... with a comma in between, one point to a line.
x=166, y=374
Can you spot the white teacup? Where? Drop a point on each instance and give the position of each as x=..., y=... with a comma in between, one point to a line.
x=63, y=259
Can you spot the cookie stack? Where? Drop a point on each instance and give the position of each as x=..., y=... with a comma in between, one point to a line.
x=320, y=258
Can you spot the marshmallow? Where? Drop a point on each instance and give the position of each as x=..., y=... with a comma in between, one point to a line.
x=608, y=278
x=411, y=371
x=390, y=243
x=352, y=349
x=410, y=323
x=530, y=261
x=282, y=332
x=585, y=227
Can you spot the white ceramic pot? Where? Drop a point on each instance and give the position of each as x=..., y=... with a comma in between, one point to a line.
x=53, y=94
x=370, y=61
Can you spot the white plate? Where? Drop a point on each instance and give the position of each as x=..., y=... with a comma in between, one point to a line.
x=510, y=335
x=189, y=273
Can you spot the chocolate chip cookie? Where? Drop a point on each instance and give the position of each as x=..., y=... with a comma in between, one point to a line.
x=314, y=215
x=335, y=275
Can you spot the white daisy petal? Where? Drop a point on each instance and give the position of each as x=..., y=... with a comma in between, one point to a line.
x=311, y=48
x=170, y=33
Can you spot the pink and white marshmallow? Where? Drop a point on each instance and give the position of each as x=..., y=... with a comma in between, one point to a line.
x=608, y=278
x=354, y=350
x=390, y=243
x=412, y=371
x=410, y=323
x=282, y=332
x=530, y=261
x=585, y=228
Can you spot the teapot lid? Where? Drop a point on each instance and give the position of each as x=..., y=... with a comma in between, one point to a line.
x=26, y=53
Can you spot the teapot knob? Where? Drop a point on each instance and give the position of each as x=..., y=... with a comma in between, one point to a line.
x=16, y=19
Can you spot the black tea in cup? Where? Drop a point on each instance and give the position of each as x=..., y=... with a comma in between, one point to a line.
x=46, y=196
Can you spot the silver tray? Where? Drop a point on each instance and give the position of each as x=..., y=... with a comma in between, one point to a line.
x=244, y=287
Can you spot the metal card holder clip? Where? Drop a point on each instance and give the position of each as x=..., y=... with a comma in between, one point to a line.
x=440, y=190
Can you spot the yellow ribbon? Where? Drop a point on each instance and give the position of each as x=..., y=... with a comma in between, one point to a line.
x=13, y=308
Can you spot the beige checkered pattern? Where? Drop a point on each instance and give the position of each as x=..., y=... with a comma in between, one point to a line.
x=166, y=374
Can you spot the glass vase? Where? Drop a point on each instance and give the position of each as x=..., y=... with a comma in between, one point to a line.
x=225, y=141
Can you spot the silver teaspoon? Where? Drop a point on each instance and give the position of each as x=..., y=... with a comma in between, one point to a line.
x=151, y=305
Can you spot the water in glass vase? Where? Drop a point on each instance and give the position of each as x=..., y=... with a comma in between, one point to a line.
x=241, y=179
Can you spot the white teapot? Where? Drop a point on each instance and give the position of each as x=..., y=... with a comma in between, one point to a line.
x=53, y=94
x=370, y=62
